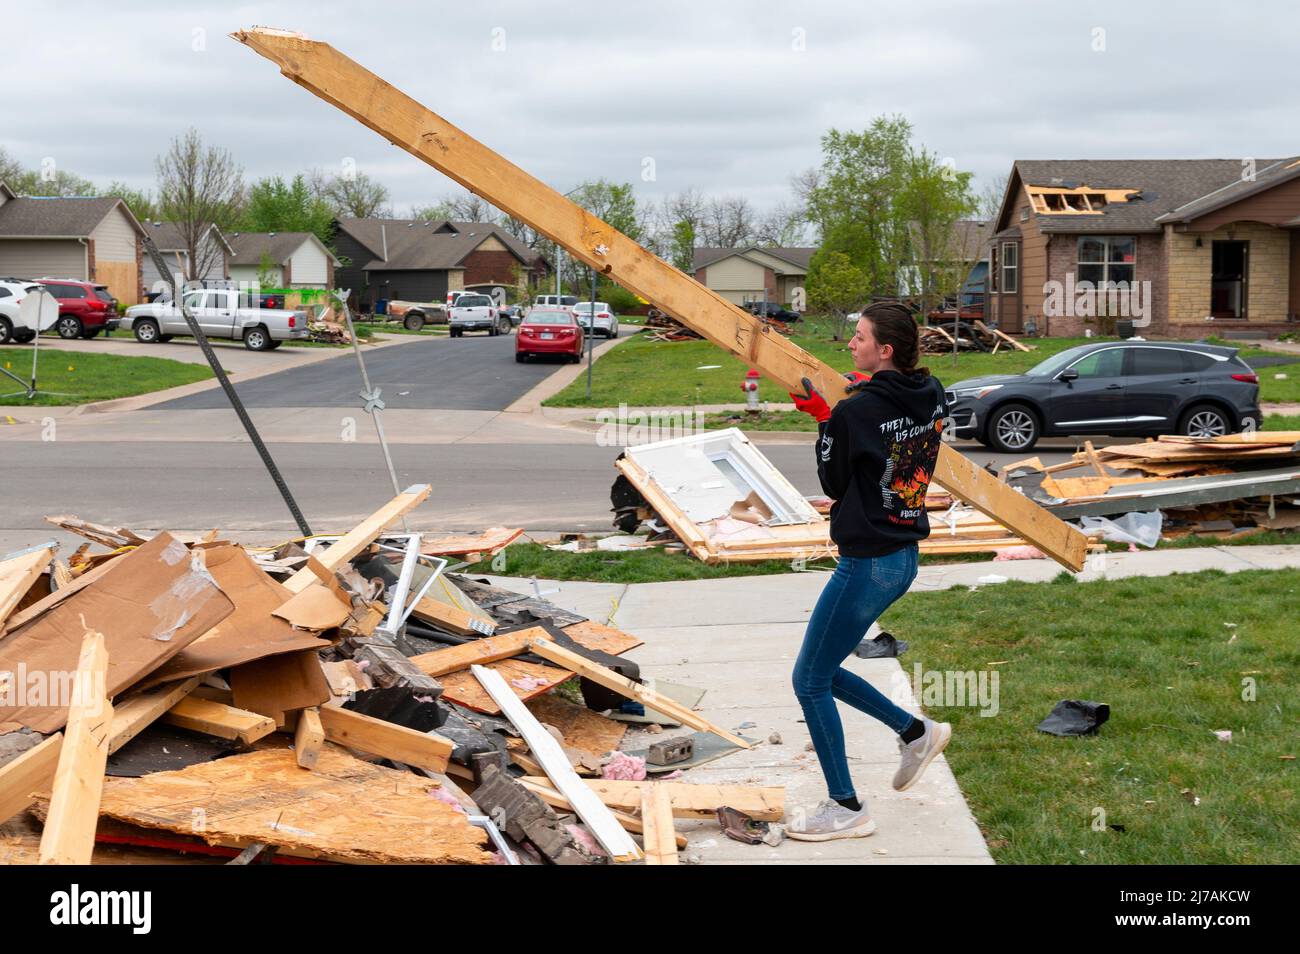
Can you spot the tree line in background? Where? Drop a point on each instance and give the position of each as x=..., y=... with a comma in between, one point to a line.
x=879, y=207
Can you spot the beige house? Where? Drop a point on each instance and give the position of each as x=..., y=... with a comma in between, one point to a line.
x=294, y=259
x=90, y=239
x=212, y=256
x=753, y=274
x=1194, y=246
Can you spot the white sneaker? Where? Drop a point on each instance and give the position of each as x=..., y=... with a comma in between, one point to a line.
x=919, y=753
x=830, y=821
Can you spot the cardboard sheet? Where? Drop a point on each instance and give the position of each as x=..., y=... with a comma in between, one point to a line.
x=250, y=632
x=150, y=604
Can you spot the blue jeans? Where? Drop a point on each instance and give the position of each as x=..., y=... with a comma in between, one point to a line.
x=860, y=589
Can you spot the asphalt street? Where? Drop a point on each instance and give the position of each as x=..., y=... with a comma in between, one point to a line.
x=472, y=373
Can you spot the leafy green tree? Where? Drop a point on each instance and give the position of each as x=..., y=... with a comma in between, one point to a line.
x=838, y=289
x=278, y=206
x=681, y=248
x=934, y=196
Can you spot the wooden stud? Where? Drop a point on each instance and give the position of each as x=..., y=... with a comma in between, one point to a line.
x=308, y=738
x=633, y=690
x=17, y=576
x=424, y=750
x=361, y=536
x=657, y=817
x=69, y=836
x=220, y=720
x=611, y=835
x=688, y=800
x=632, y=823
x=31, y=772
x=480, y=651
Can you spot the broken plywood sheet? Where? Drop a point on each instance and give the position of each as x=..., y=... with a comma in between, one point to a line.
x=18, y=574
x=462, y=688
x=582, y=729
x=344, y=810
x=149, y=604
x=488, y=542
x=250, y=632
x=606, y=639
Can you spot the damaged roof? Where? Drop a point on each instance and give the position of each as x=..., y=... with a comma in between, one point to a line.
x=1164, y=187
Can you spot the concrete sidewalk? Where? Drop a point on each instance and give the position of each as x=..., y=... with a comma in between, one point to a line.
x=737, y=639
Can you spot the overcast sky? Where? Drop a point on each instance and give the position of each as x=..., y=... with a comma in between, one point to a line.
x=730, y=98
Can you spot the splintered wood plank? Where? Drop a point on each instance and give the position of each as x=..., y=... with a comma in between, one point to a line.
x=463, y=689
x=611, y=835
x=603, y=638
x=346, y=810
x=688, y=801
x=633, y=690
x=386, y=739
x=329, y=74
x=657, y=817
x=31, y=772
x=69, y=836
x=361, y=536
x=223, y=721
x=17, y=576
x=582, y=729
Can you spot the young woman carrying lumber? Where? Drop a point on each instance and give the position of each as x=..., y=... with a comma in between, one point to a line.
x=876, y=451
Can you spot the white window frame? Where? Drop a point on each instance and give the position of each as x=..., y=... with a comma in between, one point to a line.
x=1012, y=270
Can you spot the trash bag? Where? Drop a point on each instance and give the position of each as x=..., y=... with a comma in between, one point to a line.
x=884, y=646
x=1140, y=528
x=1074, y=717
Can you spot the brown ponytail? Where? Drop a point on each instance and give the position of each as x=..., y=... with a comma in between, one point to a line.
x=893, y=324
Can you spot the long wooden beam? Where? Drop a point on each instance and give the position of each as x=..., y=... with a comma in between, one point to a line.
x=324, y=71
x=69, y=835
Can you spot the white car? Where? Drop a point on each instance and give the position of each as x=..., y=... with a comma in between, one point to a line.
x=476, y=313
x=15, y=327
x=605, y=321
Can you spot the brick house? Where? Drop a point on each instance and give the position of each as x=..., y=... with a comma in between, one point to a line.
x=87, y=238
x=419, y=260
x=753, y=274
x=1200, y=246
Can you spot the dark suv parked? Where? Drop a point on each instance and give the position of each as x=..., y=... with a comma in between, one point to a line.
x=1122, y=388
x=85, y=309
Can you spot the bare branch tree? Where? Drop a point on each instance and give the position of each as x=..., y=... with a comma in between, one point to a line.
x=198, y=187
x=355, y=194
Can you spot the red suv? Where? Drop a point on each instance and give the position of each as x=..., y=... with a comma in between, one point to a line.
x=85, y=309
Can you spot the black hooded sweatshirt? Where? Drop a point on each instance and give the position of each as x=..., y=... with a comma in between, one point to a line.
x=875, y=457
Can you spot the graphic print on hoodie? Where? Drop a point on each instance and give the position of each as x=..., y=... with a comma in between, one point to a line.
x=875, y=458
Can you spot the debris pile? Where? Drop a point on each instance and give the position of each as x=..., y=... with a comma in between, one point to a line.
x=969, y=335
x=1228, y=486
x=331, y=700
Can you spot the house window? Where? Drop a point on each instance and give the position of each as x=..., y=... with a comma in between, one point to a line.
x=1104, y=259
x=1010, y=267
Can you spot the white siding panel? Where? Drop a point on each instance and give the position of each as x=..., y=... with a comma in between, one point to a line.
x=307, y=266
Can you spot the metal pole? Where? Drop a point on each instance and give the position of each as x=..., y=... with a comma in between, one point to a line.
x=557, y=273
x=591, y=345
x=215, y=364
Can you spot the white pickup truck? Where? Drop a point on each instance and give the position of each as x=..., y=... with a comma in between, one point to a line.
x=219, y=313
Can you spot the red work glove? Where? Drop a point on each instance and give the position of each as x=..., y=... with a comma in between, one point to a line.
x=814, y=404
x=811, y=402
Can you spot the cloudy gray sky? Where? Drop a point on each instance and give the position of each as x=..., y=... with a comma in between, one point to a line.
x=727, y=97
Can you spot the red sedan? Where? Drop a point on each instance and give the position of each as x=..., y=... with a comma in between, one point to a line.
x=549, y=331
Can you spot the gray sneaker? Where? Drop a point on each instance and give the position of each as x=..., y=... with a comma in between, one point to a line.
x=919, y=753
x=831, y=820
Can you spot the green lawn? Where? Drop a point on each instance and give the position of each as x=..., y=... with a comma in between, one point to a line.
x=79, y=377
x=1272, y=390
x=1171, y=679
x=645, y=373
x=1281, y=422
x=655, y=565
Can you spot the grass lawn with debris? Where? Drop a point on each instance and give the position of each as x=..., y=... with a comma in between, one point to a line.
x=644, y=373
x=655, y=565
x=79, y=377
x=1172, y=678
